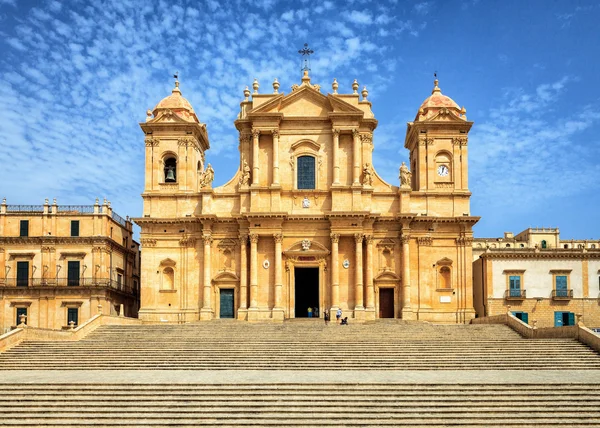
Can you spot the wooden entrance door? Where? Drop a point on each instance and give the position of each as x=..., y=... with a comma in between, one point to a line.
x=226, y=308
x=386, y=303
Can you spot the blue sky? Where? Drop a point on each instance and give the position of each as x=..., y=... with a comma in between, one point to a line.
x=76, y=77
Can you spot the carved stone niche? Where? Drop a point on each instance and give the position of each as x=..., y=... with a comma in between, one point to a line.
x=227, y=255
x=385, y=255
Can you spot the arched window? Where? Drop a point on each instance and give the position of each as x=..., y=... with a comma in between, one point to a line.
x=306, y=172
x=507, y=245
x=170, y=170
x=566, y=246
x=168, y=280
x=522, y=245
x=593, y=246
x=445, y=280
x=544, y=244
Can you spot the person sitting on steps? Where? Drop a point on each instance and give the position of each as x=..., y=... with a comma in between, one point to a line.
x=345, y=321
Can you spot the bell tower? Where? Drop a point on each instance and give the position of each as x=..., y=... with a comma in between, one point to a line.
x=437, y=140
x=175, y=145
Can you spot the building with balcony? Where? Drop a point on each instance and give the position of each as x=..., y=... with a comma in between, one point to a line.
x=538, y=276
x=62, y=264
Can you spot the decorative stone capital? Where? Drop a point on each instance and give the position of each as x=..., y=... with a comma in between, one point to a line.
x=207, y=238
x=245, y=137
x=424, y=141
x=243, y=238
x=278, y=237
x=335, y=132
x=146, y=242
x=255, y=133
x=367, y=138
x=52, y=249
x=405, y=239
x=358, y=238
x=355, y=133
x=460, y=141
x=275, y=133
x=185, y=141
x=369, y=239
x=151, y=142
x=253, y=238
x=335, y=238
x=425, y=241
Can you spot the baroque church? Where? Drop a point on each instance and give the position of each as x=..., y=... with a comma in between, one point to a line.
x=306, y=222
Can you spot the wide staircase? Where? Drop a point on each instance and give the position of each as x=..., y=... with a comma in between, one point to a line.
x=302, y=346
x=226, y=374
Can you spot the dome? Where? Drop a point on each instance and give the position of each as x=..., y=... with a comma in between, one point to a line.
x=177, y=104
x=437, y=101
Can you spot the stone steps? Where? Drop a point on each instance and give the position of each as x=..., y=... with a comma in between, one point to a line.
x=294, y=404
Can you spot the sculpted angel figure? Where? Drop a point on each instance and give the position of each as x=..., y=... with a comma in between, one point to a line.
x=367, y=178
x=405, y=175
x=245, y=177
x=207, y=177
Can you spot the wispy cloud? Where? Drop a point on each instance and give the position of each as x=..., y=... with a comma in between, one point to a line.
x=528, y=154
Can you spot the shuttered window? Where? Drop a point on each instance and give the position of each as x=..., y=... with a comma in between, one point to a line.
x=306, y=172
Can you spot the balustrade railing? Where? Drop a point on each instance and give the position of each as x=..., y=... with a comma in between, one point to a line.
x=116, y=217
x=76, y=209
x=25, y=208
x=67, y=282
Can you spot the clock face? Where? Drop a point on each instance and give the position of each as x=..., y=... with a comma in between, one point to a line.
x=443, y=170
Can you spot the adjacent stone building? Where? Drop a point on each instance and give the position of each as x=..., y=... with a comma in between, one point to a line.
x=64, y=263
x=538, y=277
x=306, y=221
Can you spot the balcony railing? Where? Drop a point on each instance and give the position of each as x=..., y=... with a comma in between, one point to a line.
x=76, y=209
x=515, y=294
x=66, y=282
x=116, y=217
x=25, y=208
x=562, y=294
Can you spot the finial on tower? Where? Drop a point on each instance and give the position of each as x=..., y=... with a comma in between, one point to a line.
x=335, y=86
x=176, y=77
x=436, y=88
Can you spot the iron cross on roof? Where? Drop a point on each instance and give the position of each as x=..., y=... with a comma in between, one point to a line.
x=306, y=51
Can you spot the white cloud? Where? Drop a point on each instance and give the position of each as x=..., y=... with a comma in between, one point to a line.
x=361, y=18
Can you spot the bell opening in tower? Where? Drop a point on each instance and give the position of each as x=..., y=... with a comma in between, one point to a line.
x=306, y=287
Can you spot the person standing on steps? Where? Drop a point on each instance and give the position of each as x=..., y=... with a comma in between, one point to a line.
x=338, y=315
x=326, y=317
x=309, y=310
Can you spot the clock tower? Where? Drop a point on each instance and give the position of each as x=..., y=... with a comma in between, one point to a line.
x=437, y=140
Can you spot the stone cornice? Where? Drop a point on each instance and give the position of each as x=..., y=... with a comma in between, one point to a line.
x=545, y=254
x=149, y=220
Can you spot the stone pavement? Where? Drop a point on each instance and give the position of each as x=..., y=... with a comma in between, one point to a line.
x=300, y=376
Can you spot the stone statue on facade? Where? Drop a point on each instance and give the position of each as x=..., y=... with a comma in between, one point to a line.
x=367, y=177
x=245, y=177
x=207, y=177
x=405, y=176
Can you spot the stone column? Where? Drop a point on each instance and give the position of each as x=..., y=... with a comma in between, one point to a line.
x=335, y=275
x=278, y=309
x=356, y=157
x=406, y=306
x=358, y=238
x=255, y=165
x=243, y=273
x=253, y=271
x=278, y=237
x=369, y=263
x=275, y=157
x=206, y=311
x=336, y=164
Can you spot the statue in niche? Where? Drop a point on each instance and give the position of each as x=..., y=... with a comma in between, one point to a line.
x=245, y=177
x=405, y=176
x=367, y=177
x=207, y=177
x=305, y=202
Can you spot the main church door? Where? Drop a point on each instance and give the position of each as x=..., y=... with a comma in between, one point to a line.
x=306, y=291
x=386, y=303
x=226, y=308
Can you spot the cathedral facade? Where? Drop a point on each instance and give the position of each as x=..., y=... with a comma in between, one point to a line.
x=306, y=222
